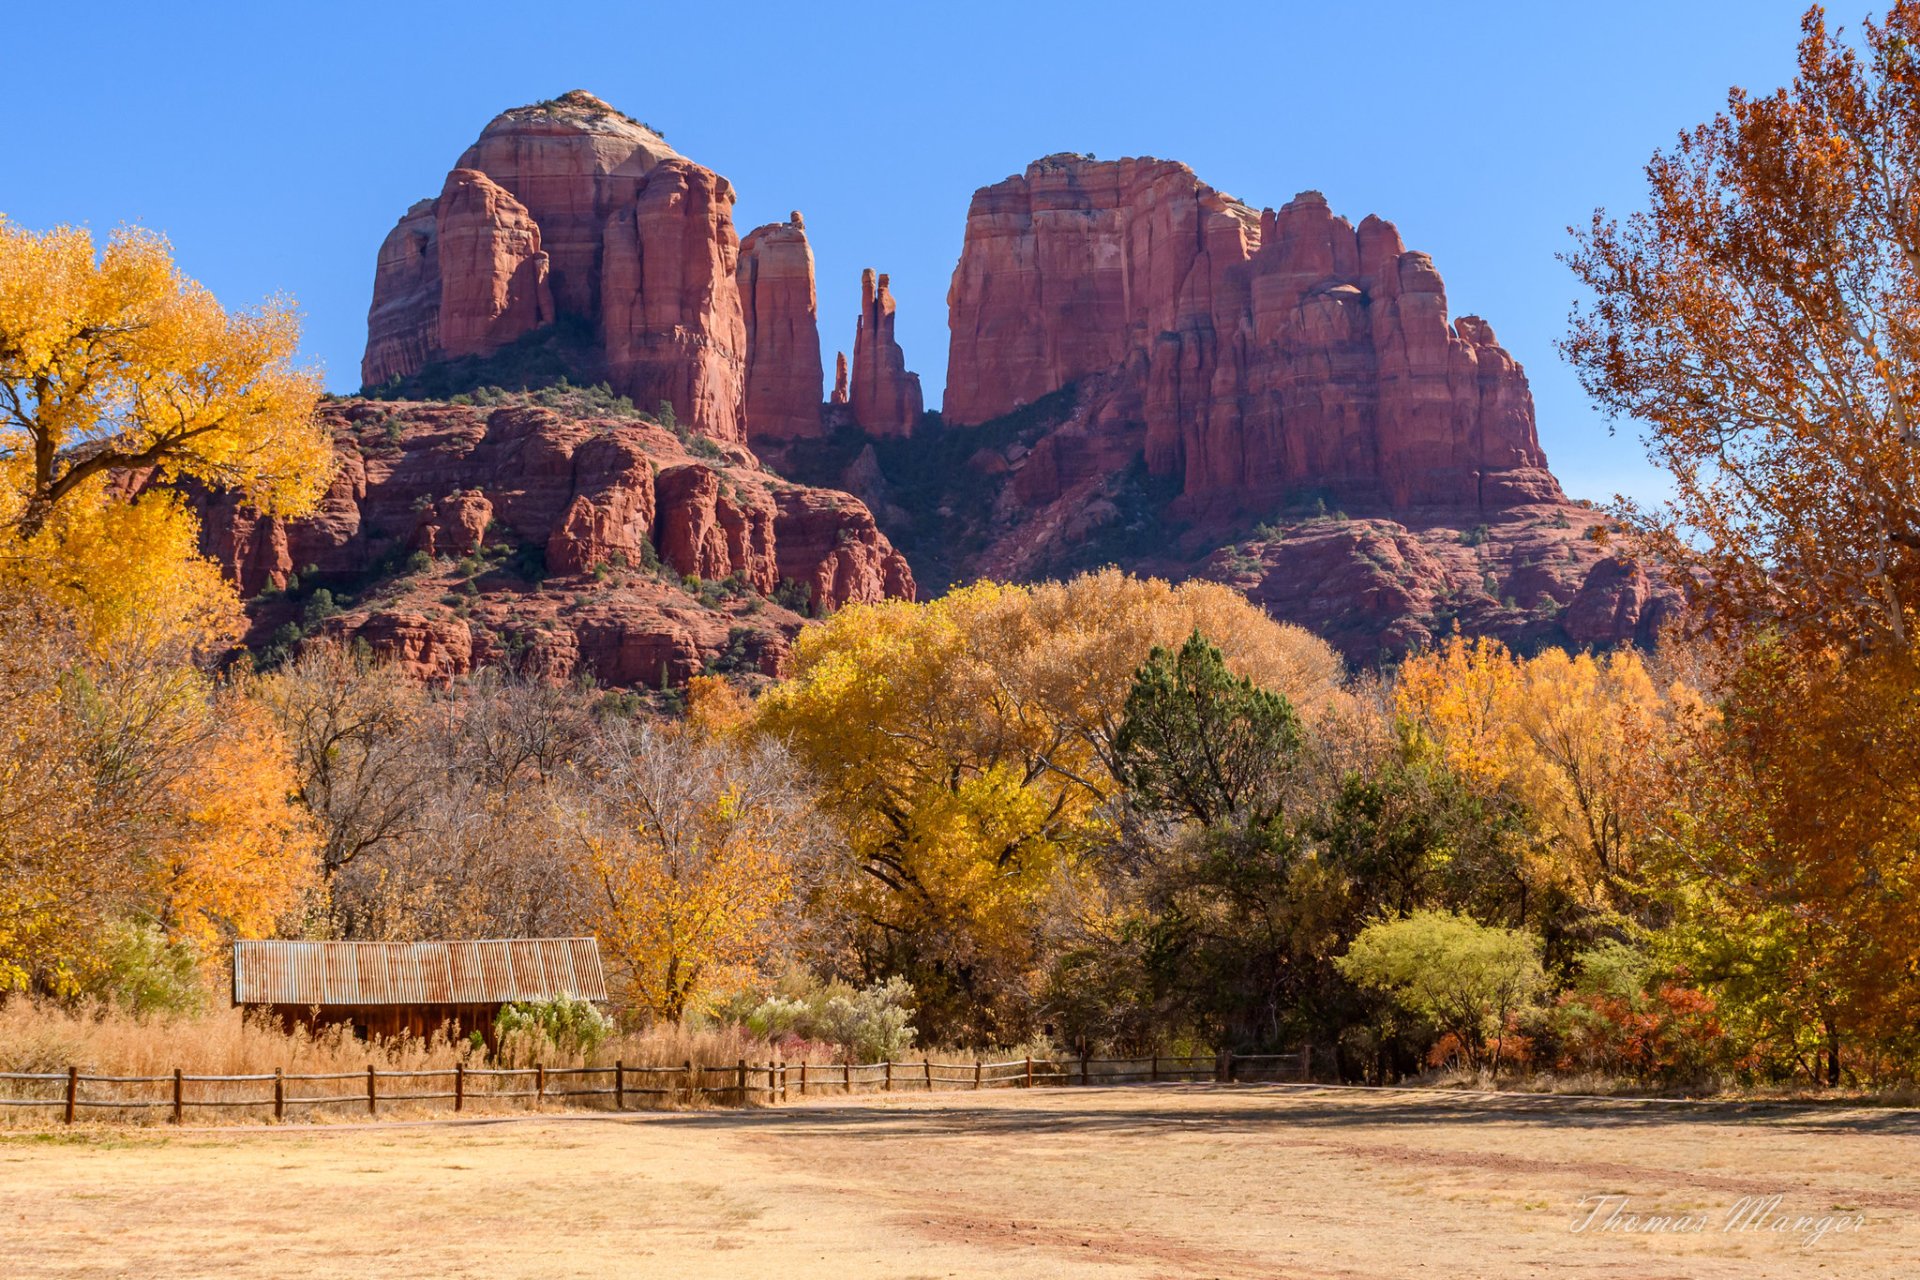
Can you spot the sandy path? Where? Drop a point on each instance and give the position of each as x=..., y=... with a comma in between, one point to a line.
x=1164, y=1181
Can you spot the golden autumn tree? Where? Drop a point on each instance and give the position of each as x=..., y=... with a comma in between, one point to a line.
x=967, y=744
x=1761, y=318
x=1566, y=736
x=166, y=802
x=115, y=362
x=694, y=852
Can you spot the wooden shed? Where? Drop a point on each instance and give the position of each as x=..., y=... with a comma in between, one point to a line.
x=412, y=988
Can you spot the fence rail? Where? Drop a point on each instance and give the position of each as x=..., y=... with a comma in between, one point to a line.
x=72, y=1091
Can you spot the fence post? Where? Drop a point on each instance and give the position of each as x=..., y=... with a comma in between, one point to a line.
x=459, y=1085
x=179, y=1105
x=742, y=1071
x=977, y=1064
x=1153, y=1074
x=1029, y=1071
x=803, y=1079
x=846, y=1075
x=694, y=1083
x=889, y=1084
x=926, y=1069
x=1229, y=1066
x=279, y=1094
x=373, y=1105
x=773, y=1084
x=73, y=1090
x=1306, y=1063
x=619, y=1085
x=539, y=1083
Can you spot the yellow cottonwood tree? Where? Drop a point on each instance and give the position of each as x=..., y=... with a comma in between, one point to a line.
x=141, y=792
x=692, y=855
x=115, y=362
x=1566, y=735
x=967, y=744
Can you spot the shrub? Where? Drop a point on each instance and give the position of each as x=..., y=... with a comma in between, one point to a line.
x=320, y=606
x=145, y=972
x=1621, y=1018
x=1468, y=979
x=564, y=1024
x=870, y=1024
x=797, y=596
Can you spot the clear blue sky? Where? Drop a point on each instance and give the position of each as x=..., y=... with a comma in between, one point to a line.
x=277, y=143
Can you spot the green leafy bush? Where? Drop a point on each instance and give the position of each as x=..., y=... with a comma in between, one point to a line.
x=146, y=972
x=1468, y=979
x=564, y=1024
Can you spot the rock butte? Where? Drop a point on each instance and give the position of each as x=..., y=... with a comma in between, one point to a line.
x=575, y=191
x=1257, y=352
x=1141, y=353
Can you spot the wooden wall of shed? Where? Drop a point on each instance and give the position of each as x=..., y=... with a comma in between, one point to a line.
x=388, y=1021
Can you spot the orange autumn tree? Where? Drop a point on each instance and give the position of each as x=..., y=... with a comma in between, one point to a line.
x=1761, y=318
x=1566, y=736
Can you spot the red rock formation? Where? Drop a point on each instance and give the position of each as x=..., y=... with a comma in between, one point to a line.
x=885, y=397
x=403, y=324
x=601, y=497
x=571, y=162
x=493, y=273
x=839, y=378
x=568, y=209
x=838, y=555
x=670, y=303
x=783, y=333
x=1268, y=353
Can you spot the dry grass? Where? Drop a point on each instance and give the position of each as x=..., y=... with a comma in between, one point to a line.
x=43, y=1038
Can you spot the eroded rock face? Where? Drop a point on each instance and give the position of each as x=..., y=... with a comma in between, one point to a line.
x=670, y=305
x=781, y=310
x=885, y=397
x=540, y=526
x=1267, y=352
x=570, y=210
x=493, y=273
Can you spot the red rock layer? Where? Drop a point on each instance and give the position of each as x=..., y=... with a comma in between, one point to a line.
x=1260, y=353
x=600, y=497
x=570, y=209
x=781, y=310
x=884, y=396
x=493, y=273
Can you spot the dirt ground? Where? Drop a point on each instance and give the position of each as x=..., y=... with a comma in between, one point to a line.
x=1157, y=1181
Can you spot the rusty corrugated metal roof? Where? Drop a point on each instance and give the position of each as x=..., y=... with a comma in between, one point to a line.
x=486, y=971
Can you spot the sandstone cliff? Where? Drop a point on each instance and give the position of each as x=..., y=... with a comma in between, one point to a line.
x=1256, y=353
x=783, y=333
x=564, y=540
x=570, y=210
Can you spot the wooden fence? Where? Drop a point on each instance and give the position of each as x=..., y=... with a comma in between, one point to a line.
x=619, y=1086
